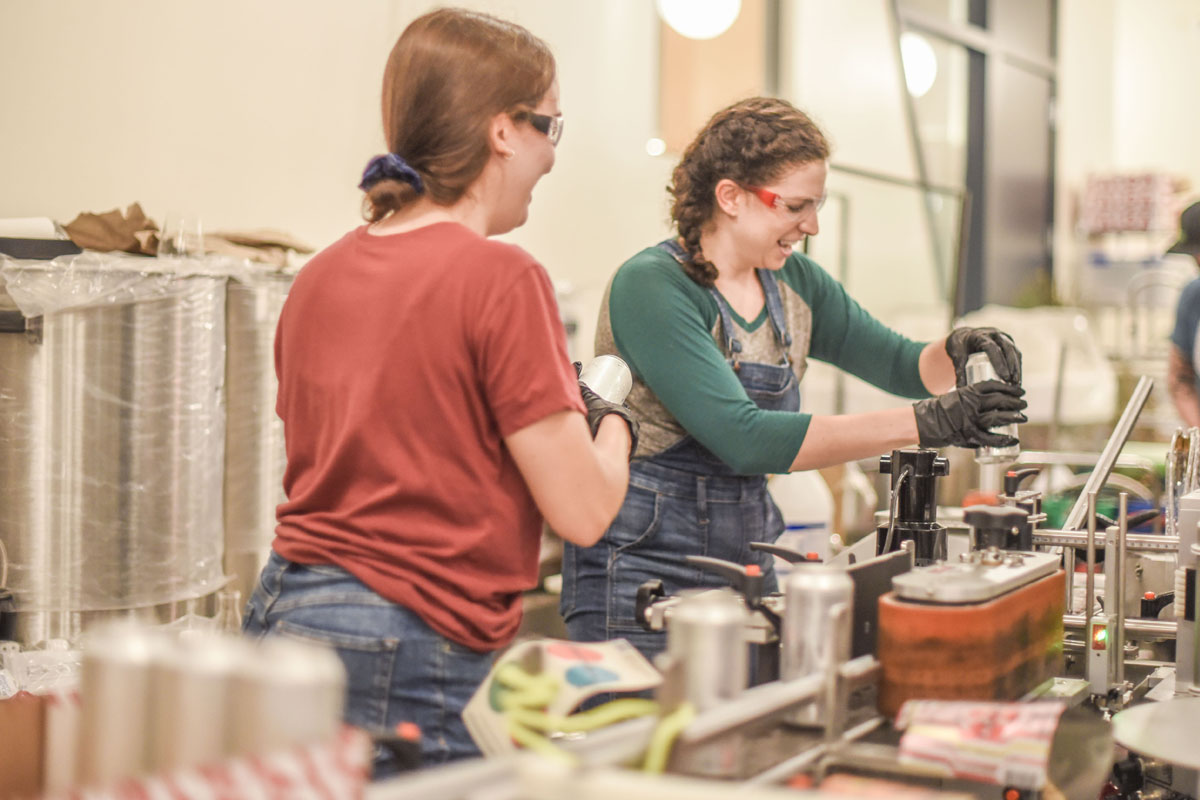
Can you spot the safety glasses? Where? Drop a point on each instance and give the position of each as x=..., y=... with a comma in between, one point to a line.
x=798, y=209
x=551, y=126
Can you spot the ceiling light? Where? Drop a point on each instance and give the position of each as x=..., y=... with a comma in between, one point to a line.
x=699, y=19
x=920, y=63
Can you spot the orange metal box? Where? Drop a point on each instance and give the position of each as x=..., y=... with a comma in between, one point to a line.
x=999, y=649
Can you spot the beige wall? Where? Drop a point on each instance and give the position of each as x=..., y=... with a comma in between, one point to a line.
x=262, y=113
x=246, y=114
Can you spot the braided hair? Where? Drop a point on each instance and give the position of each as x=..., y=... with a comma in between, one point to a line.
x=752, y=142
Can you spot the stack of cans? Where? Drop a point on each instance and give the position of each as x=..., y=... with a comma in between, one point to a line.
x=154, y=703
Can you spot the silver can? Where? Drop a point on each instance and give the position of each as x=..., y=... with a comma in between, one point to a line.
x=115, y=680
x=706, y=644
x=707, y=635
x=609, y=377
x=290, y=692
x=813, y=641
x=190, y=704
x=979, y=369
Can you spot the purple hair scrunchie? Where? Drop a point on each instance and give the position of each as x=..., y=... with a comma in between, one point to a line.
x=390, y=166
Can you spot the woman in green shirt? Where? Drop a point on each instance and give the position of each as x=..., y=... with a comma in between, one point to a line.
x=718, y=325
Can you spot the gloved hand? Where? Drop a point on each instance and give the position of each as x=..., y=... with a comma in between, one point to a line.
x=598, y=408
x=1005, y=356
x=962, y=416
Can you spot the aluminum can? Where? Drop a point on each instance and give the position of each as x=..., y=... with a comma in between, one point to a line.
x=191, y=686
x=114, y=685
x=706, y=643
x=814, y=639
x=979, y=369
x=609, y=377
x=707, y=634
x=290, y=692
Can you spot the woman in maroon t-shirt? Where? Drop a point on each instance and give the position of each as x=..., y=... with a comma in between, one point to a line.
x=431, y=417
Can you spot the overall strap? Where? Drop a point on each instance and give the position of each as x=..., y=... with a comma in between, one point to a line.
x=775, y=309
x=732, y=346
x=676, y=250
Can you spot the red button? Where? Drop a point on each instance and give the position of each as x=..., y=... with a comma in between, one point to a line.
x=752, y=570
x=408, y=731
x=813, y=556
x=1149, y=595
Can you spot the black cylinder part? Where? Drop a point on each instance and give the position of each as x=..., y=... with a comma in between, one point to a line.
x=914, y=474
x=1004, y=527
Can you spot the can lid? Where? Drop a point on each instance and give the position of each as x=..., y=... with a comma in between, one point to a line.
x=122, y=641
x=211, y=652
x=293, y=661
x=818, y=577
x=711, y=606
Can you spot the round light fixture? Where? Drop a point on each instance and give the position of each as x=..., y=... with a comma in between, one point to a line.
x=920, y=63
x=699, y=19
x=655, y=147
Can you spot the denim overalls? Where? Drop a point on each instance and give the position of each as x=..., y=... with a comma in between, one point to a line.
x=683, y=501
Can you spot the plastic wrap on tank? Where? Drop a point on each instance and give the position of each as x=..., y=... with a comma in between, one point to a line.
x=254, y=450
x=112, y=430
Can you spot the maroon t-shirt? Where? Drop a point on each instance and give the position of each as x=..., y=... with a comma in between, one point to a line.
x=403, y=361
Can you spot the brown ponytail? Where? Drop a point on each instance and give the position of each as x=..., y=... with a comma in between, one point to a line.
x=449, y=73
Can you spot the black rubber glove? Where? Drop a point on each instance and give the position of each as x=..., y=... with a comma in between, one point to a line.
x=1005, y=356
x=598, y=408
x=962, y=416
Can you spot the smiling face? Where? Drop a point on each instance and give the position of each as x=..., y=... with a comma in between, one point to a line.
x=532, y=157
x=772, y=222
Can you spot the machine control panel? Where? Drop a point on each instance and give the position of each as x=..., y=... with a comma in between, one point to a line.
x=978, y=576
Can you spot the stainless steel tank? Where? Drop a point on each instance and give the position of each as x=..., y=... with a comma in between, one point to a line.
x=111, y=438
x=254, y=451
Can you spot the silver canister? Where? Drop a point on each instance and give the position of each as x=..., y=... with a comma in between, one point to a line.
x=111, y=450
x=114, y=688
x=191, y=686
x=291, y=692
x=706, y=646
x=979, y=369
x=609, y=377
x=816, y=637
x=707, y=635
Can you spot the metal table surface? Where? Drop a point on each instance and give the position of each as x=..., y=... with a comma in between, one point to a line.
x=1168, y=730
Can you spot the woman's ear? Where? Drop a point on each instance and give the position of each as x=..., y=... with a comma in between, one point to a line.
x=729, y=196
x=501, y=133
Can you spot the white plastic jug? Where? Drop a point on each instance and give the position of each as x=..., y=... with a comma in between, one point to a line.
x=806, y=504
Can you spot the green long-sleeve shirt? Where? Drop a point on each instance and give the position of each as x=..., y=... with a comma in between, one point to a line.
x=667, y=328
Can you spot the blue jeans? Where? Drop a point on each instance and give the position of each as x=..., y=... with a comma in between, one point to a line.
x=398, y=669
x=667, y=514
